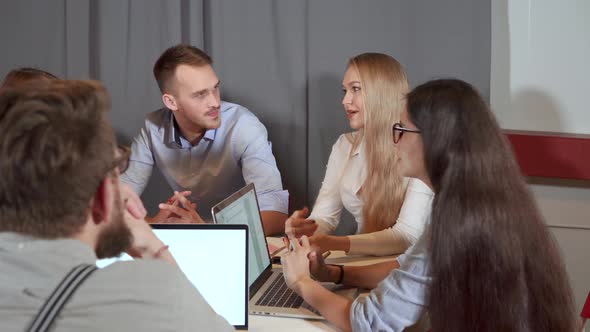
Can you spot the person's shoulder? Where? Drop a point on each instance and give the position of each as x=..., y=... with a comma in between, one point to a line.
x=416, y=185
x=241, y=122
x=227, y=106
x=145, y=284
x=143, y=272
x=345, y=141
x=158, y=118
x=237, y=113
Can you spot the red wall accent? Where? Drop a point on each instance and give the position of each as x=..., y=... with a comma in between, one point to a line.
x=552, y=155
x=586, y=309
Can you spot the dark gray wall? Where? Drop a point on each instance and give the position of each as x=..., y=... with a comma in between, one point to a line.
x=282, y=59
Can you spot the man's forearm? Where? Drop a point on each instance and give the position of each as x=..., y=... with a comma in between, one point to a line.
x=151, y=247
x=274, y=222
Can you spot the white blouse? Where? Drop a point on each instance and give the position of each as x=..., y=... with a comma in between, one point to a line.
x=344, y=177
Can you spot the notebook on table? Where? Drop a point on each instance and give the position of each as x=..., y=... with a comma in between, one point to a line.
x=221, y=278
x=269, y=295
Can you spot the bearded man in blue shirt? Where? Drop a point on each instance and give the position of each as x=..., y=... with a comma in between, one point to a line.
x=205, y=148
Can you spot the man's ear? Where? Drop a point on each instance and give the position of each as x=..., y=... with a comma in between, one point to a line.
x=170, y=102
x=103, y=200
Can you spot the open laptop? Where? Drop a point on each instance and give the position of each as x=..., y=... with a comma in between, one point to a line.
x=213, y=257
x=269, y=295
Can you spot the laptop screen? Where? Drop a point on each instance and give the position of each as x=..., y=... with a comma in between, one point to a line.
x=219, y=277
x=242, y=208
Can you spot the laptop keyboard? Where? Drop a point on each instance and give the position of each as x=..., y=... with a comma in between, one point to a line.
x=279, y=295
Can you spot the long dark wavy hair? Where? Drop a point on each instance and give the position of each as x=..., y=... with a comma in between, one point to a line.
x=495, y=265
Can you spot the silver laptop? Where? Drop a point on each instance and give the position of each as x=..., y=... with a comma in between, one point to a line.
x=220, y=277
x=269, y=295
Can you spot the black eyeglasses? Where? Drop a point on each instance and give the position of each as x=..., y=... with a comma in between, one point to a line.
x=399, y=130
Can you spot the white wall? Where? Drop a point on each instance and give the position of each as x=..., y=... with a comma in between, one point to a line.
x=540, y=80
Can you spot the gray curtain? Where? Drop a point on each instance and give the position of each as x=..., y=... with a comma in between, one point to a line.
x=282, y=59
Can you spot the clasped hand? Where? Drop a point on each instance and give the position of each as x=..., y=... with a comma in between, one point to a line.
x=295, y=262
x=302, y=261
x=178, y=210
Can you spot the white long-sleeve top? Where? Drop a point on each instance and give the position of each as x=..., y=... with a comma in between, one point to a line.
x=344, y=177
x=413, y=217
x=345, y=174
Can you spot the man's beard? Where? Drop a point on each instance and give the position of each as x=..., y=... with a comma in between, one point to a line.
x=116, y=238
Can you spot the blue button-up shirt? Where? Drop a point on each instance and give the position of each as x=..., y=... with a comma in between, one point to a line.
x=224, y=160
x=400, y=300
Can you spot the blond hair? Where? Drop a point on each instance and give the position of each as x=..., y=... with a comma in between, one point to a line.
x=384, y=85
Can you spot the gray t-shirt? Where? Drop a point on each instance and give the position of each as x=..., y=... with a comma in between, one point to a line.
x=140, y=295
x=399, y=301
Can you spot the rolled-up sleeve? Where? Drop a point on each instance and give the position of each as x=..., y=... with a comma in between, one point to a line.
x=400, y=299
x=259, y=166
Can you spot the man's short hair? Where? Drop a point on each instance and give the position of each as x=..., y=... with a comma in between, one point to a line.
x=25, y=75
x=56, y=147
x=182, y=54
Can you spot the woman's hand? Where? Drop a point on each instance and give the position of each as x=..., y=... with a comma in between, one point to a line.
x=319, y=270
x=295, y=263
x=320, y=242
x=297, y=226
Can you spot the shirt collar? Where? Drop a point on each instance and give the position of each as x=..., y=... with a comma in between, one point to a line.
x=210, y=134
x=173, y=133
x=175, y=136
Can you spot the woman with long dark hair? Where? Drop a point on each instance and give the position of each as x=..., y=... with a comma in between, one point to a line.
x=486, y=261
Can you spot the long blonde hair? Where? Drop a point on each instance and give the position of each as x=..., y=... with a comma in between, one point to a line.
x=384, y=85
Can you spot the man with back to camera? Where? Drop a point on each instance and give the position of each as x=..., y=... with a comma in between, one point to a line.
x=25, y=75
x=205, y=148
x=62, y=205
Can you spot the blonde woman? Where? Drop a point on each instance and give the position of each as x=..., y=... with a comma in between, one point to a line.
x=361, y=175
